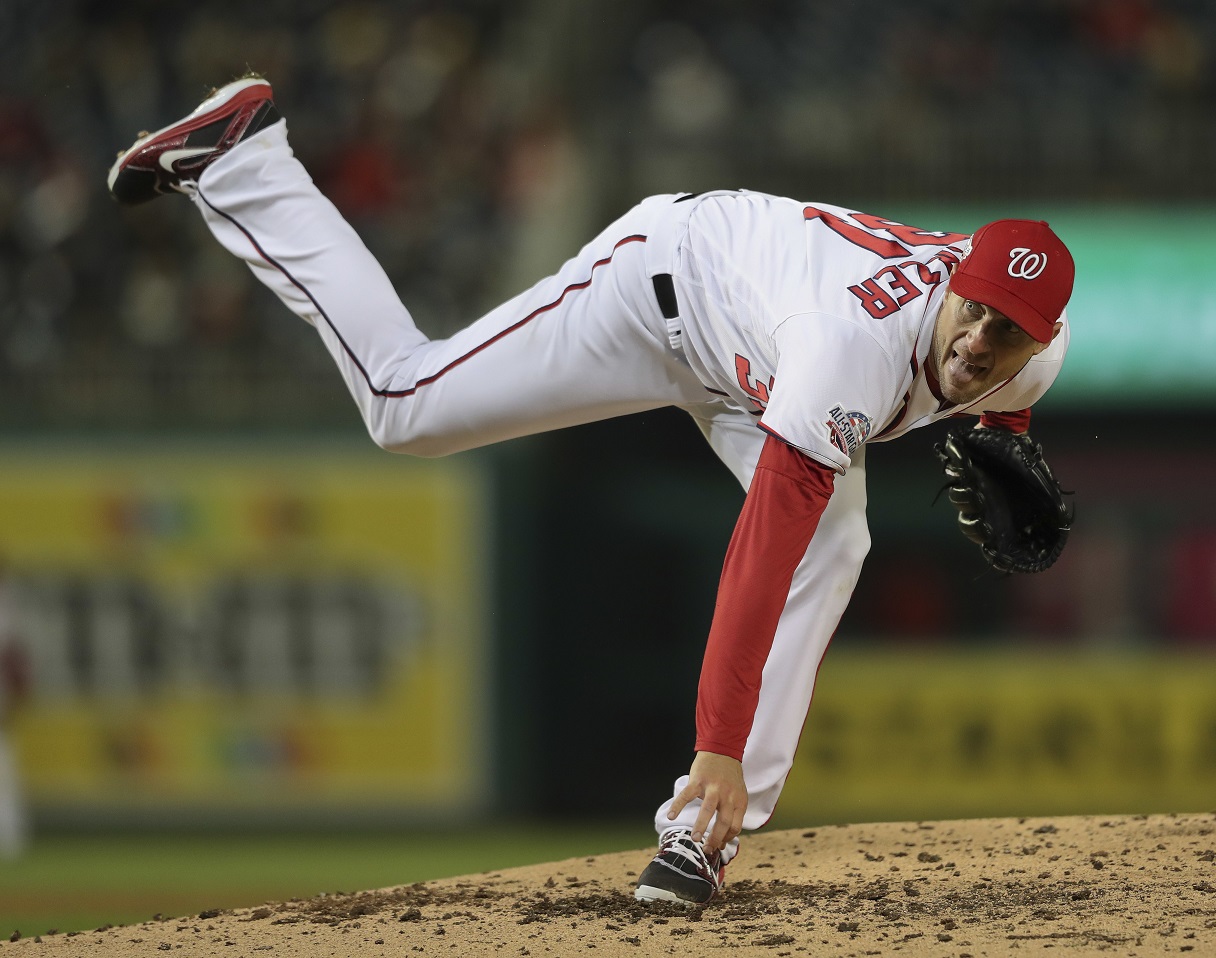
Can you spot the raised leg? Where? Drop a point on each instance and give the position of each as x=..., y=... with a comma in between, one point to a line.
x=587, y=343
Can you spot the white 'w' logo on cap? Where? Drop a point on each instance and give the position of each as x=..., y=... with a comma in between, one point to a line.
x=1024, y=264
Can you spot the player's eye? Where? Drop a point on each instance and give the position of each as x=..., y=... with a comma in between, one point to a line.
x=1011, y=334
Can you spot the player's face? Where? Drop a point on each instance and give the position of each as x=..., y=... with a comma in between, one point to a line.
x=976, y=348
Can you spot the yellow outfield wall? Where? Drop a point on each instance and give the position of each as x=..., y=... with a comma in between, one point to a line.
x=235, y=629
x=226, y=630
x=898, y=733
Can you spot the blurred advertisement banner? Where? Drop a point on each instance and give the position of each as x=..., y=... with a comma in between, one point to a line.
x=929, y=734
x=219, y=630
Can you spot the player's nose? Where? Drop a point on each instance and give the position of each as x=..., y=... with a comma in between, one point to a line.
x=979, y=339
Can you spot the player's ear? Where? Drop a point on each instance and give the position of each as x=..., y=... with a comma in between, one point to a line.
x=1055, y=331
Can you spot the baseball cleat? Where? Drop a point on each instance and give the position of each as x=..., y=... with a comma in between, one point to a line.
x=165, y=160
x=682, y=871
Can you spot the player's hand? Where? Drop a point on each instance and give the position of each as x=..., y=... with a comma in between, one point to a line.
x=718, y=781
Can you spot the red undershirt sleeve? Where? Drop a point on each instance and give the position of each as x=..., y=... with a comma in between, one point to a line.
x=788, y=494
x=1012, y=421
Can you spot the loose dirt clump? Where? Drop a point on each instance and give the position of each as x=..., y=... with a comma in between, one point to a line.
x=405, y=902
x=1130, y=885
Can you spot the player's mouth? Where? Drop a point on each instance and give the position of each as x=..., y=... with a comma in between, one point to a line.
x=961, y=370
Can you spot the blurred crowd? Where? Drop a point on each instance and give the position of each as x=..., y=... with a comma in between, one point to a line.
x=475, y=143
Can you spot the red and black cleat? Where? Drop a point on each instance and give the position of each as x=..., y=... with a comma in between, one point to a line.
x=161, y=162
x=682, y=872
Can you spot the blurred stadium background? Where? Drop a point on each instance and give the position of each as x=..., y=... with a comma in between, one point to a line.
x=236, y=634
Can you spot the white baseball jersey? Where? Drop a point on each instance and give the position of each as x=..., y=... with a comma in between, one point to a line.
x=819, y=319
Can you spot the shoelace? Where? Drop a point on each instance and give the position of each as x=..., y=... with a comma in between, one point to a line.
x=682, y=844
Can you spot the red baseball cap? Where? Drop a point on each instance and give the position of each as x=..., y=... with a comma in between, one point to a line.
x=1022, y=269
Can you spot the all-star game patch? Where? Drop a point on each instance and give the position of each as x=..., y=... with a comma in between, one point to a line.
x=848, y=430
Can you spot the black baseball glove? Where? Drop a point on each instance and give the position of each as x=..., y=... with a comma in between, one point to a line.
x=1008, y=501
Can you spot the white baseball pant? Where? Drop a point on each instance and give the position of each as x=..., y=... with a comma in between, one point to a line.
x=587, y=343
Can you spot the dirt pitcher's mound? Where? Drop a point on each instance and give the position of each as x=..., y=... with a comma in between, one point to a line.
x=1143, y=885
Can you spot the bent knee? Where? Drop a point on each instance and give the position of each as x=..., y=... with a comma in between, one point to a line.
x=392, y=438
x=857, y=547
x=423, y=447
x=848, y=542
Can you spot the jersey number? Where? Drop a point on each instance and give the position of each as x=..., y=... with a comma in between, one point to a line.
x=897, y=241
x=753, y=387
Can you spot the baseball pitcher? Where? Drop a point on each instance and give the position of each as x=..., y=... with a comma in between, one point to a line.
x=795, y=334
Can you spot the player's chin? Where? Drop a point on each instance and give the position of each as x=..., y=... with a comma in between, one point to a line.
x=960, y=394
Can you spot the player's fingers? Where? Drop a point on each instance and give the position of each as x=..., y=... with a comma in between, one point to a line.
x=720, y=835
x=708, y=807
x=687, y=794
x=736, y=824
x=730, y=822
